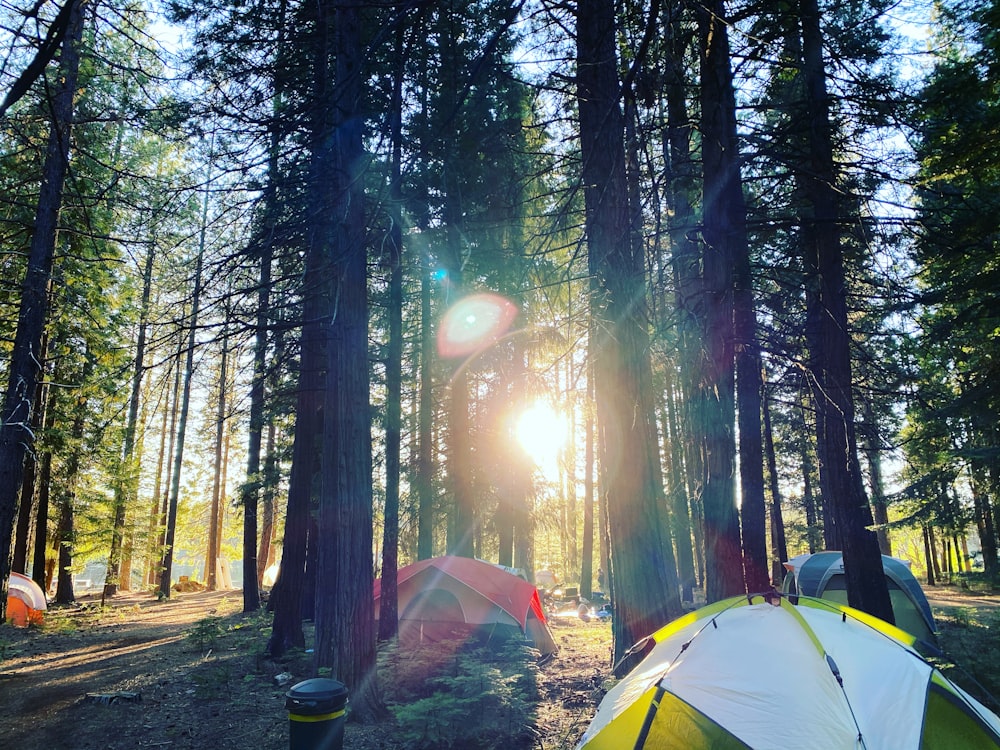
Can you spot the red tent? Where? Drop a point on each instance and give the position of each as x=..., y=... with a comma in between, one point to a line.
x=448, y=596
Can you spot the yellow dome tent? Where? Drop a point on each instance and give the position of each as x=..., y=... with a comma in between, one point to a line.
x=753, y=673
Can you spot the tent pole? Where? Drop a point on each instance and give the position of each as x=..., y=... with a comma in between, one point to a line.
x=654, y=705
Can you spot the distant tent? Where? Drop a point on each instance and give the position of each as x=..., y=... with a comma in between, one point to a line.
x=25, y=601
x=749, y=673
x=822, y=575
x=457, y=596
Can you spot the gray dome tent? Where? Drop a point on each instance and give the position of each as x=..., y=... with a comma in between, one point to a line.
x=821, y=575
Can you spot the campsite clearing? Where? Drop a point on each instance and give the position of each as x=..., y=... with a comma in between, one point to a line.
x=189, y=673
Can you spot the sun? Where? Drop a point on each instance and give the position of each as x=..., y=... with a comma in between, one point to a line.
x=541, y=432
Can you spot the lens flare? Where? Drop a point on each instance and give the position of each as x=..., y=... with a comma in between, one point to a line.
x=473, y=323
x=541, y=431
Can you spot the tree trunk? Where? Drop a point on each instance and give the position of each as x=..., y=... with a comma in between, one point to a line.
x=873, y=456
x=287, y=599
x=866, y=584
x=682, y=225
x=680, y=513
x=389, y=606
x=70, y=482
x=127, y=484
x=29, y=507
x=626, y=440
x=567, y=495
x=250, y=491
x=514, y=479
x=27, y=353
x=985, y=522
x=423, y=478
x=459, y=456
x=779, y=546
x=25, y=513
x=39, y=564
x=725, y=233
x=265, y=551
x=928, y=555
x=65, y=537
x=345, y=613
x=587, y=549
x=166, y=564
x=254, y=557
x=519, y=494
x=158, y=512
x=722, y=217
x=218, y=484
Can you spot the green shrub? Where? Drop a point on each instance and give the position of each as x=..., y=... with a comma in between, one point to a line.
x=207, y=632
x=457, y=695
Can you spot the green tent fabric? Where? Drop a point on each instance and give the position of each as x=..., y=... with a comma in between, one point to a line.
x=821, y=574
x=750, y=672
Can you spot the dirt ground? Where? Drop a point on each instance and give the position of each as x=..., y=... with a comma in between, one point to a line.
x=944, y=599
x=188, y=674
x=177, y=675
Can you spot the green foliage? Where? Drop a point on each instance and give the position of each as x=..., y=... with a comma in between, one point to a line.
x=950, y=438
x=456, y=695
x=206, y=633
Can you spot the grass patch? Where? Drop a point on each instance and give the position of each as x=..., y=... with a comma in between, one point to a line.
x=970, y=639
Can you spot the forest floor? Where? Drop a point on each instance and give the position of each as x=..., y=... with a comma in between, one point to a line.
x=190, y=673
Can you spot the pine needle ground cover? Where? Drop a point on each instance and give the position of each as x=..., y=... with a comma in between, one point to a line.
x=191, y=672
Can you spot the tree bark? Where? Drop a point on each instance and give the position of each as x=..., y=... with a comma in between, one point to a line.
x=39, y=566
x=681, y=189
x=65, y=538
x=127, y=484
x=254, y=556
x=985, y=522
x=644, y=599
x=265, y=550
x=167, y=562
x=345, y=612
x=26, y=355
x=873, y=457
x=29, y=506
x=161, y=498
x=218, y=485
x=837, y=447
x=722, y=197
x=388, y=606
x=423, y=476
x=70, y=482
x=779, y=545
x=287, y=599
